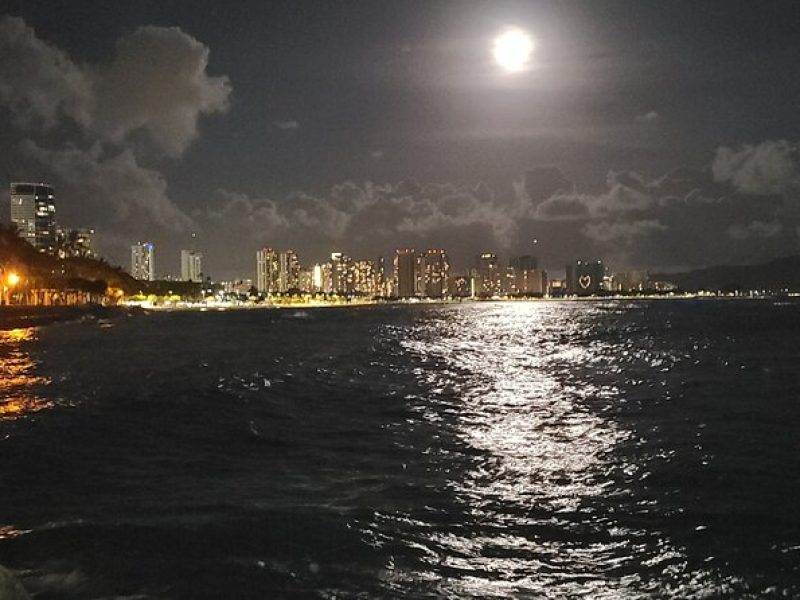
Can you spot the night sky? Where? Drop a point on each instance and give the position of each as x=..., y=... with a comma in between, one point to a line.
x=650, y=134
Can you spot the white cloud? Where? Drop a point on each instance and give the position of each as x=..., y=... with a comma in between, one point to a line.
x=157, y=82
x=287, y=125
x=648, y=117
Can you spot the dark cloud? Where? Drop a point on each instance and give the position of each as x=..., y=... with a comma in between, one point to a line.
x=560, y=207
x=156, y=84
x=772, y=167
x=756, y=229
x=113, y=187
x=39, y=83
x=621, y=231
x=103, y=129
x=626, y=192
x=742, y=209
x=540, y=183
x=143, y=103
x=287, y=125
x=683, y=218
x=367, y=219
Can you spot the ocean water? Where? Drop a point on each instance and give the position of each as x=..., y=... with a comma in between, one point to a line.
x=528, y=450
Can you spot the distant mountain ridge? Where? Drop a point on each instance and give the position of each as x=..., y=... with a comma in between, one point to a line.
x=776, y=275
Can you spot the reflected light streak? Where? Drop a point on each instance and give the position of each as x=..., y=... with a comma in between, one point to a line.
x=17, y=381
x=543, y=446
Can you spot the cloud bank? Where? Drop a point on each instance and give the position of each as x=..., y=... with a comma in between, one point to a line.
x=686, y=218
x=102, y=133
x=155, y=84
x=769, y=168
x=92, y=129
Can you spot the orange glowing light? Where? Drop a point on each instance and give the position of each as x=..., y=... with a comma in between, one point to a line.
x=12, y=279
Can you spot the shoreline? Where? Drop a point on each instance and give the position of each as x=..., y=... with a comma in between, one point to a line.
x=20, y=317
x=23, y=317
x=223, y=306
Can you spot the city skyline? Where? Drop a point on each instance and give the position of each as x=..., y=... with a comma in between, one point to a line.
x=414, y=274
x=408, y=131
x=415, y=299
x=427, y=274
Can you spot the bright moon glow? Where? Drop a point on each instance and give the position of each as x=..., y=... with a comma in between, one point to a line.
x=512, y=50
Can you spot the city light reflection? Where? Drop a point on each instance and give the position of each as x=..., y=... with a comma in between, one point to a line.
x=17, y=379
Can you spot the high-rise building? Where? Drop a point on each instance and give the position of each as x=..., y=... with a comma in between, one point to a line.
x=75, y=243
x=342, y=275
x=191, y=266
x=143, y=264
x=82, y=242
x=435, y=270
x=267, y=271
x=490, y=279
x=288, y=271
x=585, y=278
x=321, y=278
x=631, y=281
x=365, y=279
x=380, y=277
x=523, y=277
x=557, y=288
x=305, y=280
x=405, y=273
x=240, y=287
x=33, y=211
x=459, y=286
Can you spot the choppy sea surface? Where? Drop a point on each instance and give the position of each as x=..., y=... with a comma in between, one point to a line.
x=527, y=450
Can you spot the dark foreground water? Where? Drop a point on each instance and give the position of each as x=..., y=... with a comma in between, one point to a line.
x=571, y=449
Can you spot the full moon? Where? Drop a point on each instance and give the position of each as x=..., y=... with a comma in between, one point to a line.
x=512, y=50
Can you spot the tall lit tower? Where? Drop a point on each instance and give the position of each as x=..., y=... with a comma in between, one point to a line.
x=267, y=271
x=489, y=276
x=436, y=268
x=380, y=277
x=288, y=271
x=405, y=273
x=143, y=265
x=342, y=275
x=524, y=276
x=364, y=278
x=191, y=266
x=33, y=211
x=585, y=278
